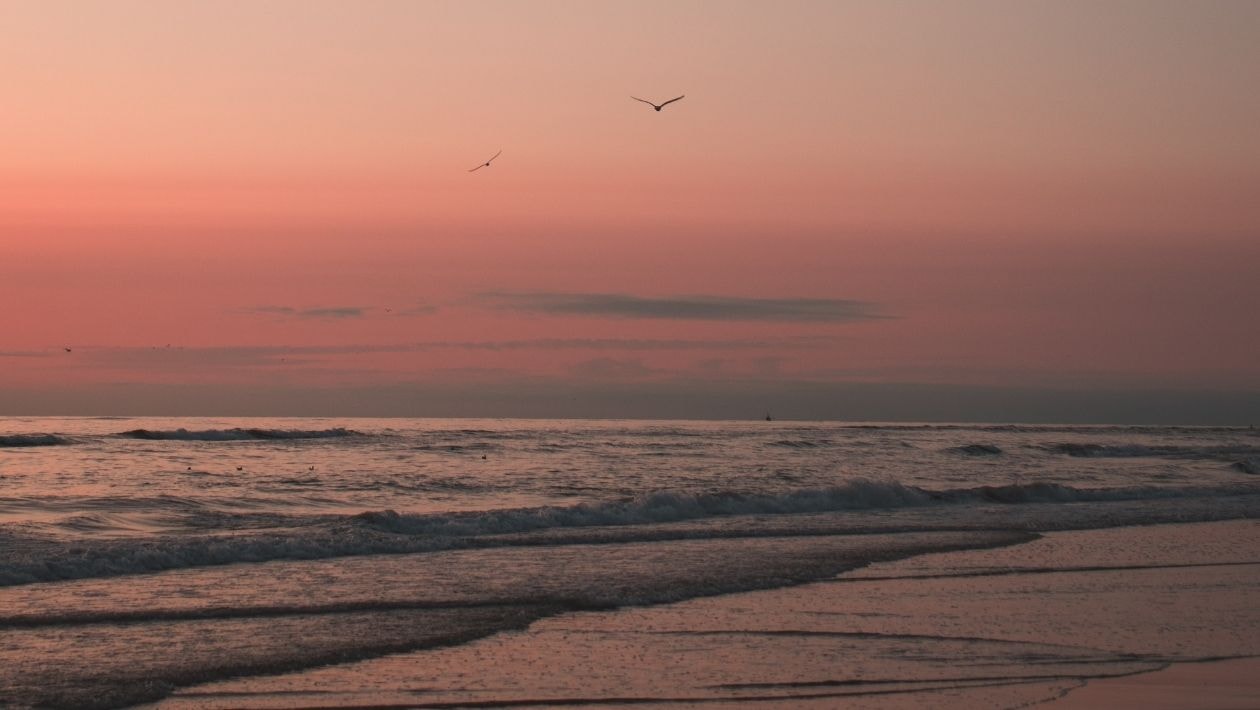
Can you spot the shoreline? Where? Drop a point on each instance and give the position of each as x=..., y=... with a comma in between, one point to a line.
x=953, y=630
x=1218, y=684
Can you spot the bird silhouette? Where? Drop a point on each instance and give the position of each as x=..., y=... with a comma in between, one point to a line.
x=487, y=163
x=658, y=107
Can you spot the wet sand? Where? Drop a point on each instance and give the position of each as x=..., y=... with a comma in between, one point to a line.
x=1219, y=685
x=1074, y=619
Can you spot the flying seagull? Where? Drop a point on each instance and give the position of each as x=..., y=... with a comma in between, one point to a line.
x=655, y=106
x=487, y=163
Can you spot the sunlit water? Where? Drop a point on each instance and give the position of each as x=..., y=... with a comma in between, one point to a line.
x=143, y=555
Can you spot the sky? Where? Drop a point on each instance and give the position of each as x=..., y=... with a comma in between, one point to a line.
x=1032, y=211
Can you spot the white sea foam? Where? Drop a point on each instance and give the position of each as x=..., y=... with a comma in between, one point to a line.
x=391, y=532
x=308, y=524
x=858, y=494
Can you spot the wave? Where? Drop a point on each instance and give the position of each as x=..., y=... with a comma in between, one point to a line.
x=1083, y=450
x=1152, y=429
x=657, y=507
x=978, y=450
x=476, y=446
x=705, y=515
x=1251, y=466
x=666, y=506
x=800, y=443
x=20, y=440
x=237, y=434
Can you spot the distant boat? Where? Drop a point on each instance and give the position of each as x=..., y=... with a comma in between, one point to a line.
x=768, y=417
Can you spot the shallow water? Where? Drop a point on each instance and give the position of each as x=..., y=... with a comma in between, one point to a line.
x=1002, y=627
x=138, y=556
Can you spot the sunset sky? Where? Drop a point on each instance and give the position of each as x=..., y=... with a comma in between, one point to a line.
x=864, y=210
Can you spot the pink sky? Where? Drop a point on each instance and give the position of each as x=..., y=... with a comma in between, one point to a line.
x=1058, y=195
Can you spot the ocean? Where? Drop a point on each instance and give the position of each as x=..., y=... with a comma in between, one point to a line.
x=147, y=560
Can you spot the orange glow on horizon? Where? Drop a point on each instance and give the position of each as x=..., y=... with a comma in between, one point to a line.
x=1038, y=192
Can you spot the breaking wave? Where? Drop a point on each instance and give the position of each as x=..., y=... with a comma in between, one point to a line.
x=665, y=506
x=1251, y=466
x=237, y=434
x=391, y=532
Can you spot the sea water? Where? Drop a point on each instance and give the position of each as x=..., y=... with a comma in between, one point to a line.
x=142, y=556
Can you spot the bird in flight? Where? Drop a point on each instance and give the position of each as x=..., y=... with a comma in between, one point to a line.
x=658, y=107
x=487, y=163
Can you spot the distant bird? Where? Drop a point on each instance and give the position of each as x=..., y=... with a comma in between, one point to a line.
x=67, y=349
x=658, y=107
x=487, y=163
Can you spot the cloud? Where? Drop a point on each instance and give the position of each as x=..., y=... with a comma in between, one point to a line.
x=339, y=312
x=333, y=312
x=420, y=310
x=797, y=342
x=268, y=354
x=717, y=308
x=187, y=360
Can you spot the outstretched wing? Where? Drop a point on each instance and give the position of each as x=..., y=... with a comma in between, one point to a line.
x=649, y=103
x=673, y=100
x=479, y=167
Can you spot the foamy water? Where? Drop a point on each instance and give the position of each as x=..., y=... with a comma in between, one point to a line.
x=138, y=556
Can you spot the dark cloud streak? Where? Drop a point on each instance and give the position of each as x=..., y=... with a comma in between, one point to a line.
x=333, y=312
x=264, y=354
x=715, y=308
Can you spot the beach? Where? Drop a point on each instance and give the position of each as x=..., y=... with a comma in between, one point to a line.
x=338, y=563
x=1117, y=618
x=821, y=354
